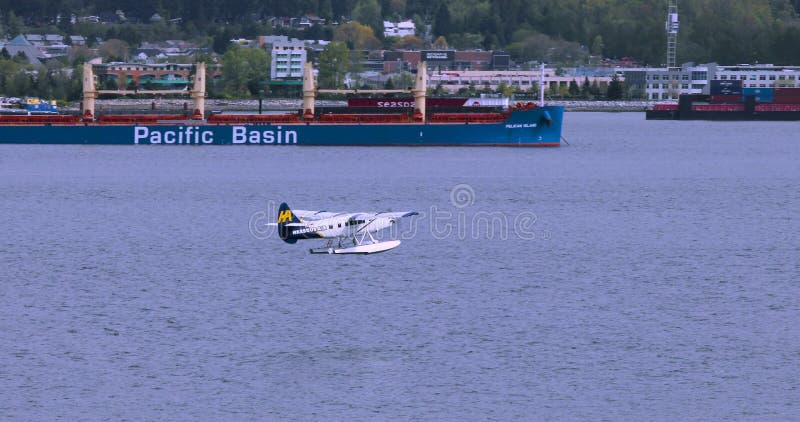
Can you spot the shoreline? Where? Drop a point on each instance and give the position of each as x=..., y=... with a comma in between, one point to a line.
x=182, y=104
x=603, y=106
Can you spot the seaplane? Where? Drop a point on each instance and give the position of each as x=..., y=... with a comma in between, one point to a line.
x=347, y=233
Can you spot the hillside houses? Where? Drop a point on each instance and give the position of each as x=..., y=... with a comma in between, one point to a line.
x=154, y=52
x=40, y=47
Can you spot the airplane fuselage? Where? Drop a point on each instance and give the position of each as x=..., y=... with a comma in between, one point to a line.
x=346, y=226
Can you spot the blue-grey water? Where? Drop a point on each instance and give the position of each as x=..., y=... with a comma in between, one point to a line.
x=648, y=271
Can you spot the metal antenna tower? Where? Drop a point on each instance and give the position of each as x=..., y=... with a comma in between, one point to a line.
x=672, y=33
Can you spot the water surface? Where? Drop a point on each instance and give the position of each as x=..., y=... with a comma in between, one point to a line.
x=655, y=278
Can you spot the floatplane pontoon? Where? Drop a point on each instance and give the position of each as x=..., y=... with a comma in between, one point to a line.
x=347, y=233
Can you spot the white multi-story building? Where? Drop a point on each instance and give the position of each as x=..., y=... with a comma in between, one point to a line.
x=452, y=81
x=761, y=76
x=669, y=84
x=398, y=29
x=288, y=56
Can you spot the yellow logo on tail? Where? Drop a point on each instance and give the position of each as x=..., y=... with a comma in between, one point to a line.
x=285, y=216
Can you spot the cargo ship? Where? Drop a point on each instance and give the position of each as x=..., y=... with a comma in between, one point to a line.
x=728, y=100
x=521, y=124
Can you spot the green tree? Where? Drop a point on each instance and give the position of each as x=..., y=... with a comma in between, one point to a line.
x=442, y=24
x=114, y=50
x=534, y=89
x=8, y=68
x=325, y=9
x=20, y=57
x=242, y=70
x=586, y=89
x=405, y=80
x=20, y=84
x=574, y=89
x=14, y=23
x=368, y=12
x=615, y=89
x=357, y=36
x=504, y=89
x=595, y=89
x=333, y=65
x=221, y=41
x=410, y=42
x=356, y=66
x=598, y=46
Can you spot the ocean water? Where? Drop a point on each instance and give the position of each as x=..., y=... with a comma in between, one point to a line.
x=648, y=271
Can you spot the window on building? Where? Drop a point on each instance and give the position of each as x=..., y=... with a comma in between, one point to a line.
x=723, y=77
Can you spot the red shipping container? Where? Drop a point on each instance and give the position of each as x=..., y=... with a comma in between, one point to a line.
x=735, y=99
x=794, y=99
x=665, y=107
x=787, y=92
x=718, y=107
x=778, y=107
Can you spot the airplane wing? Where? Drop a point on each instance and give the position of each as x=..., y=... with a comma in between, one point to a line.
x=399, y=214
x=320, y=215
x=390, y=215
x=313, y=215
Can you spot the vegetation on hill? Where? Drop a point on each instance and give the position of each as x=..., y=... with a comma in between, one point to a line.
x=742, y=31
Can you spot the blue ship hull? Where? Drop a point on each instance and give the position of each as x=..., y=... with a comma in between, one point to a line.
x=539, y=126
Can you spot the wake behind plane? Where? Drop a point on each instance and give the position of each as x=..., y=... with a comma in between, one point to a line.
x=351, y=232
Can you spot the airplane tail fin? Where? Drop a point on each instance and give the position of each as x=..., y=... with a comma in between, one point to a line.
x=286, y=216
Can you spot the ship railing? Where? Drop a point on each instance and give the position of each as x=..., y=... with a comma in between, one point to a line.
x=138, y=118
x=467, y=118
x=62, y=119
x=252, y=118
x=364, y=118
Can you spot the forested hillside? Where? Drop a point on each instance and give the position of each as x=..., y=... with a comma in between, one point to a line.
x=725, y=31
